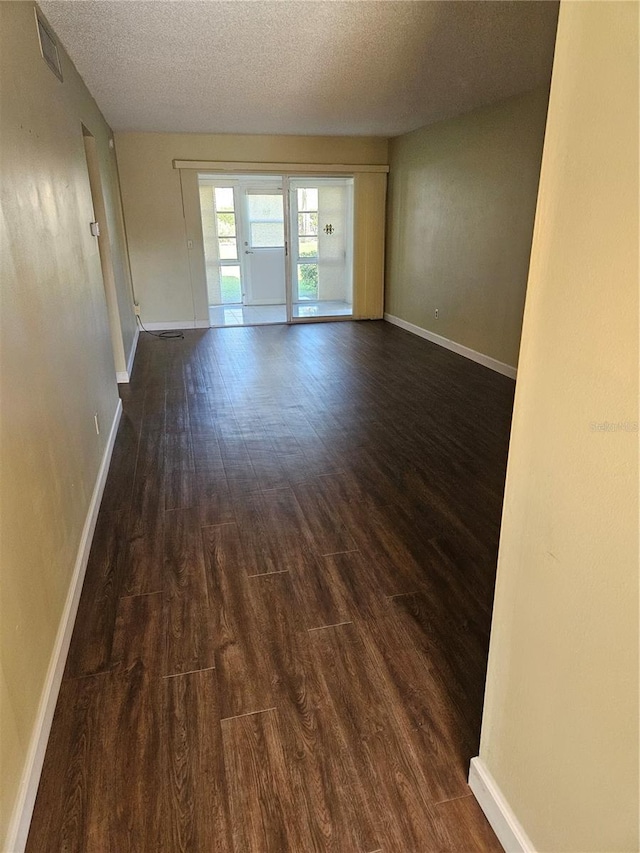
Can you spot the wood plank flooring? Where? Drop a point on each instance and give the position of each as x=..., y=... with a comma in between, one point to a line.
x=282, y=637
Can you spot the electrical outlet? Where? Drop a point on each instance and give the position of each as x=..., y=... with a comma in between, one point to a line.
x=97, y=423
x=436, y=313
x=136, y=309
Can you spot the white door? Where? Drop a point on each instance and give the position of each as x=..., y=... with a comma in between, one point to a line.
x=263, y=245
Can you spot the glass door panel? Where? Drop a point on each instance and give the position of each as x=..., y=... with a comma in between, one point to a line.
x=321, y=222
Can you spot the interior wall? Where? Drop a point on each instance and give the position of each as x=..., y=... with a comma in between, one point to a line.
x=369, y=200
x=461, y=204
x=560, y=728
x=158, y=227
x=57, y=363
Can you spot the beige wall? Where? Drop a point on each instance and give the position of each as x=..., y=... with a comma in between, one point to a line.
x=57, y=365
x=162, y=267
x=369, y=199
x=461, y=202
x=560, y=728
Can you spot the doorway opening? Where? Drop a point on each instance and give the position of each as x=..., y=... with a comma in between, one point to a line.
x=100, y=231
x=277, y=249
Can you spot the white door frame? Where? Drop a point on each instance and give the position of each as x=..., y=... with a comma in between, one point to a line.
x=288, y=282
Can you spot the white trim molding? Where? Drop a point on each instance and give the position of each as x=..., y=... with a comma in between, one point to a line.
x=21, y=817
x=460, y=349
x=279, y=168
x=497, y=810
x=125, y=375
x=132, y=353
x=176, y=325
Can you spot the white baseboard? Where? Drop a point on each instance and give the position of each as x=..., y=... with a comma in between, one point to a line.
x=170, y=325
x=497, y=810
x=25, y=801
x=467, y=352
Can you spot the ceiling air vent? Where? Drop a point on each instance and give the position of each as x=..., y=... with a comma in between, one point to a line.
x=48, y=46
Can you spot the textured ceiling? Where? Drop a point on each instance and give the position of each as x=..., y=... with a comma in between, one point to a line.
x=364, y=67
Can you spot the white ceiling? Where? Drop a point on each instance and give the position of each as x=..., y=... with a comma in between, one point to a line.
x=362, y=67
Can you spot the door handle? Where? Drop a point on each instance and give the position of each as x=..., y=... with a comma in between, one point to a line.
x=247, y=252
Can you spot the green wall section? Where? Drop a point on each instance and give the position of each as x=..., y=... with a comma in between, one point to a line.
x=461, y=204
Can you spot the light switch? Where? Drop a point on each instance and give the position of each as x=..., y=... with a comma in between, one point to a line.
x=95, y=228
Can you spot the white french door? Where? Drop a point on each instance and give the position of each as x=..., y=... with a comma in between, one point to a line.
x=277, y=249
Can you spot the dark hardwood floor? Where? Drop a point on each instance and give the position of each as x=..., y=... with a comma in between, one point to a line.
x=282, y=638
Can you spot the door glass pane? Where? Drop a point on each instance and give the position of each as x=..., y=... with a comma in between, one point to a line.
x=224, y=198
x=307, y=281
x=226, y=223
x=230, y=289
x=228, y=249
x=267, y=235
x=265, y=208
x=308, y=247
x=307, y=224
x=307, y=198
x=266, y=220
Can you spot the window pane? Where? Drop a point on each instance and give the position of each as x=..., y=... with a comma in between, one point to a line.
x=307, y=224
x=228, y=248
x=226, y=224
x=224, y=198
x=308, y=247
x=265, y=208
x=307, y=281
x=307, y=198
x=230, y=290
x=267, y=235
